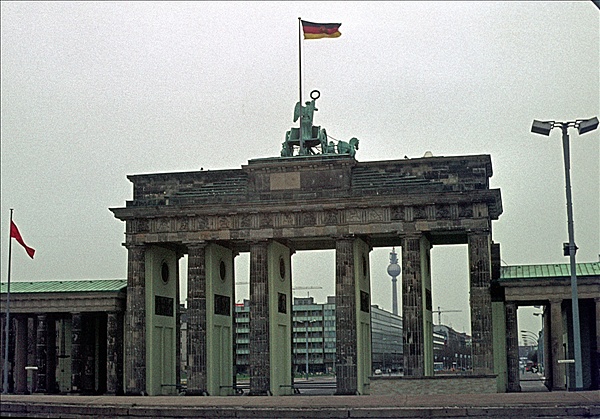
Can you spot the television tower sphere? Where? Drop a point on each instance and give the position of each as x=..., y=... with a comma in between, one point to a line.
x=393, y=269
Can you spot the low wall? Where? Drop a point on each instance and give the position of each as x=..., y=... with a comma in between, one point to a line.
x=439, y=384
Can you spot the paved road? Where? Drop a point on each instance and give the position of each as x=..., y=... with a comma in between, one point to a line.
x=557, y=404
x=532, y=382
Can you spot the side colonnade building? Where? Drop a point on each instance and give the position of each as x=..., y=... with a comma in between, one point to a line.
x=65, y=336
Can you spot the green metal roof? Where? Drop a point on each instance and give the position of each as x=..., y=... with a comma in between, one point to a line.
x=548, y=271
x=90, y=285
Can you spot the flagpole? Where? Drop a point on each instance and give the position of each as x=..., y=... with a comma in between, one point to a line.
x=300, y=83
x=6, y=340
x=300, y=62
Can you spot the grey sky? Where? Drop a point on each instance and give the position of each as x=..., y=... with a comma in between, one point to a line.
x=94, y=91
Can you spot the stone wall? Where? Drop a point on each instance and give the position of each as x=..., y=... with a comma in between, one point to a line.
x=452, y=384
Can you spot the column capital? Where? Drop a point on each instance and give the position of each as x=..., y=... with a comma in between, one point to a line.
x=132, y=247
x=479, y=232
x=555, y=301
x=199, y=243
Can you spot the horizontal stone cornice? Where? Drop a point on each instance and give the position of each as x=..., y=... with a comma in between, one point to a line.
x=64, y=302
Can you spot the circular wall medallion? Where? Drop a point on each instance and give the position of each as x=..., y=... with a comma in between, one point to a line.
x=281, y=268
x=164, y=272
x=222, y=271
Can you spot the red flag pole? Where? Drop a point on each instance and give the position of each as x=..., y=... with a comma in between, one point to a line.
x=6, y=340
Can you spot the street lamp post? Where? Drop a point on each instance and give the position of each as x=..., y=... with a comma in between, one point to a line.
x=583, y=126
x=307, y=322
x=526, y=335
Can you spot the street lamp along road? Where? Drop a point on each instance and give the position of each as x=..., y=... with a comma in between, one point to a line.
x=569, y=249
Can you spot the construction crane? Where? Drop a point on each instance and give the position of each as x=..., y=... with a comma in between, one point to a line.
x=293, y=289
x=439, y=312
x=307, y=288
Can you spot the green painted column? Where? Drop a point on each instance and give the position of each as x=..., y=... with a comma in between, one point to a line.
x=220, y=302
x=161, y=305
x=362, y=274
x=425, y=254
x=280, y=318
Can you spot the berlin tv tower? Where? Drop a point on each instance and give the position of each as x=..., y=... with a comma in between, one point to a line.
x=393, y=270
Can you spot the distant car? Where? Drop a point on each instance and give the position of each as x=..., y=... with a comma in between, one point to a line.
x=378, y=372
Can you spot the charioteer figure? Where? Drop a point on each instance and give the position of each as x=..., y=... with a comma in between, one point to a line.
x=310, y=139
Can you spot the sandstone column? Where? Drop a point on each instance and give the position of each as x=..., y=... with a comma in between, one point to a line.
x=345, y=317
x=135, y=322
x=260, y=366
x=412, y=308
x=114, y=353
x=556, y=346
x=76, y=352
x=512, y=347
x=481, y=302
x=19, y=373
x=196, y=327
x=41, y=352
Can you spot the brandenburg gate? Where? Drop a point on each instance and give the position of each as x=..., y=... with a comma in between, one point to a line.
x=316, y=195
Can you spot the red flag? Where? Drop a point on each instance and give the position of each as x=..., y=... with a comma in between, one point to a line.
x=14, y=233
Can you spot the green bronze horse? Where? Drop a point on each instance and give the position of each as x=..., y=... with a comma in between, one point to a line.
x=348, y=147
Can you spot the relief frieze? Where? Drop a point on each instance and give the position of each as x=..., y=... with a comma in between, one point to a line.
x=266, y=220
x=465, y=211
x=331, y=218
x=308, y=219
x=183, y=224
x=287, y=219
x=223, y=223
x=202, y=223
x=354, y=215
x=398, y=213
x=442, y=212
x=162, y=225
x=375, y=214
x=139, y=225
x=419, y=213
x=246, y=221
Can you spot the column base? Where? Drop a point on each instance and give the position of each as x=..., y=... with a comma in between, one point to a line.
x=260, y=393
x=189, y=392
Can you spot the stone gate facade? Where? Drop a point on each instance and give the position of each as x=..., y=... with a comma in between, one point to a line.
x=273, y=207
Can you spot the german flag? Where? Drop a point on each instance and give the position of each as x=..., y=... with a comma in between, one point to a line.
x=320, y=30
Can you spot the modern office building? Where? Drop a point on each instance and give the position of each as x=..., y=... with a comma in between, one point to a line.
x=455, y=352
x=314, y=334
x=386, y=340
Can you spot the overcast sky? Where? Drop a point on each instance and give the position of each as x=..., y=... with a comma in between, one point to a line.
x=93, y=92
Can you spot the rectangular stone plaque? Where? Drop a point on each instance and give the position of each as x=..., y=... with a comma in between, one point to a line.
x=163, y=306
x=281, y=181
x=222, y=305
x=281, y=303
